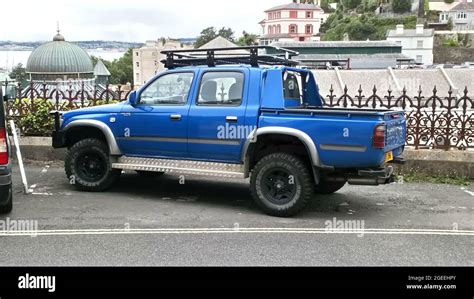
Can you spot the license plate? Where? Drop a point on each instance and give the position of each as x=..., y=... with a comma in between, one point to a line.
x=388, y=157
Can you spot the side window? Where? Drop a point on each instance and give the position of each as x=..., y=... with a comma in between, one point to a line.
x=221, y=88
x=292, y=85
x=171, y=89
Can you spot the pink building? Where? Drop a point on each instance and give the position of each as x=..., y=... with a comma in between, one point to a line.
x=292, y=22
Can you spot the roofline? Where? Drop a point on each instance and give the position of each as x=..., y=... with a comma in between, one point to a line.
x=306, y=9
x=58, y=73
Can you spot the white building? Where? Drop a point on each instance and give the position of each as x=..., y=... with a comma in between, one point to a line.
x=292, y=22
x=460, y=12
x=416, y=43
x=146, y=60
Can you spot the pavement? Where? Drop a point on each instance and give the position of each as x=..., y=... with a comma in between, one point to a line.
x=213, y=222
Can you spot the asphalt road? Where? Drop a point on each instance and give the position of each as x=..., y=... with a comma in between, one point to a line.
x=209, y=221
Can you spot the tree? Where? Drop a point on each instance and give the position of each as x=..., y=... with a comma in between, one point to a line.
x=18, y=73
x=362, y=27
x=350, y=4
x=226, y=33
x=401, y=6
x=211, y=33
x=121, y=70
x=247, y=39
x=325, y=6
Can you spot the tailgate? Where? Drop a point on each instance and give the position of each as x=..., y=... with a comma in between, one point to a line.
x=396, y=130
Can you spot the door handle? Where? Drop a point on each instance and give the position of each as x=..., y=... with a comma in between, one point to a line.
x=175, y=117
x=232, y=119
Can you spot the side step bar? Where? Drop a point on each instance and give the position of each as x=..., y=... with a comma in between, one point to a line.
x=181, y=167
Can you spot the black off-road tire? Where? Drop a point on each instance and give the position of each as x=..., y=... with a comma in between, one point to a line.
x=93, y=151
x=263, y=183
x=8, y=206
x=328, y=187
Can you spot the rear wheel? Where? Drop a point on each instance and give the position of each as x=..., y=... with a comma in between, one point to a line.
x=281, y=184
x=328, y=187
x=6, y=192
x=88, y=166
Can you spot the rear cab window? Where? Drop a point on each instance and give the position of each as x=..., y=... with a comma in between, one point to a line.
x=300, y=89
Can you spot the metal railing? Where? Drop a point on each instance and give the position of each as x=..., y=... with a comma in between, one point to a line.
x=441, y=122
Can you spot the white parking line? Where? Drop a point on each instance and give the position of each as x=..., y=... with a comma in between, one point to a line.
x=237, y=230
x=467, y=191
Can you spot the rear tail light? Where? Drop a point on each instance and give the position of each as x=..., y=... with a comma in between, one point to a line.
x=3, y=146
x=379, y=136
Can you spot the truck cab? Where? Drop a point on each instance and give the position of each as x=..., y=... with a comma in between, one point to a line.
x=242, y=120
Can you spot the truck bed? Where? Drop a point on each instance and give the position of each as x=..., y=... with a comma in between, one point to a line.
x=344, y=136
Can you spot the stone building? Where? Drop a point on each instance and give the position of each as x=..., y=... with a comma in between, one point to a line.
x=146, y=60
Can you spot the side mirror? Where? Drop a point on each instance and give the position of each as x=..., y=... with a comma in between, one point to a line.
x=133, y=98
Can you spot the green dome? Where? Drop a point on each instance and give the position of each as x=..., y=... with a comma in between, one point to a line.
x=59, y=58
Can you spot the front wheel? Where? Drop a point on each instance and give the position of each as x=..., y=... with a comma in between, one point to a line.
x=88, y=166
x=281, y=184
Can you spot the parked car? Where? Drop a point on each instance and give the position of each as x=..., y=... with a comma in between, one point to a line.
x=266, y=123
x=6, y=194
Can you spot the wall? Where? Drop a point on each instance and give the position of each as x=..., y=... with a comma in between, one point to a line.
x=452, y=55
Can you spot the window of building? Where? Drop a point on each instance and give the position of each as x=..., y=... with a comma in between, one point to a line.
x=171, y=89
x=309, y=14
x=278, y=29
x=270, y=30
x=419, y=44
x=293, y=29
x=221, y=88
x=293, y=14
x=309, y=29
x=138, y=64
x=136, y=53
x=419, y=58
x=461, y=15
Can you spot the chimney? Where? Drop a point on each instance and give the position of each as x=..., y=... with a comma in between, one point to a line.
x=419, y=28
x=400, y=29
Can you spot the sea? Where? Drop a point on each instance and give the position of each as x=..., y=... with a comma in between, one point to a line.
x=8, y=59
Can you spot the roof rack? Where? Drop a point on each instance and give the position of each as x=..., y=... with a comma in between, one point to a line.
x=233, y=55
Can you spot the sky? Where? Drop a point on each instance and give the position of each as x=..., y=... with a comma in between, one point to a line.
x=127, y=20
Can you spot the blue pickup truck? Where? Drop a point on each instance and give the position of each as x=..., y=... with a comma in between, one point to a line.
x=224, y=117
